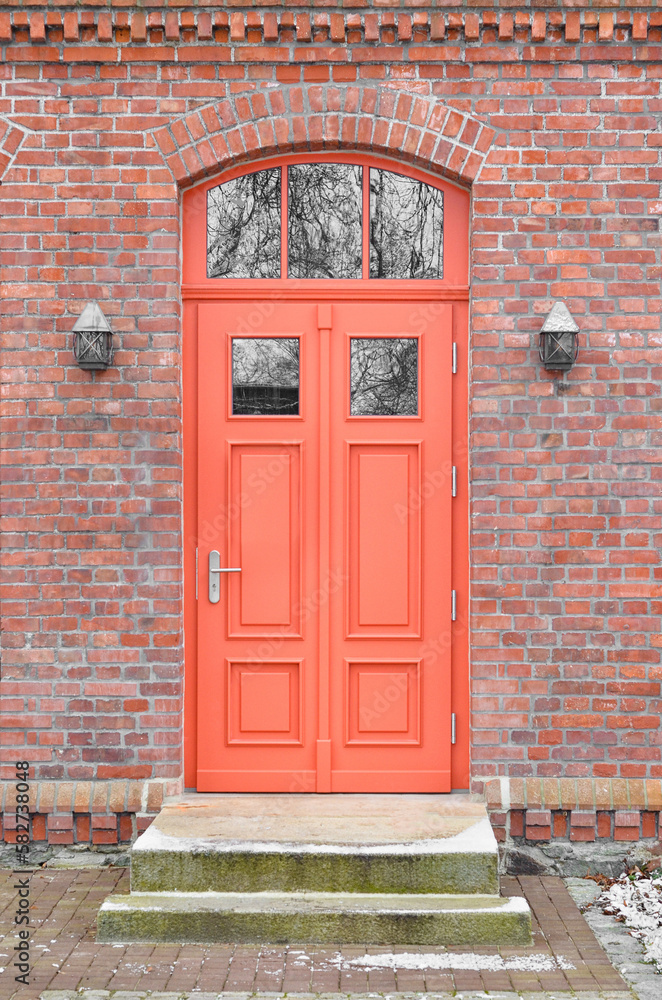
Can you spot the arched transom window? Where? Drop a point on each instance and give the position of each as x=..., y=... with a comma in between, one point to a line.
x=325, y=220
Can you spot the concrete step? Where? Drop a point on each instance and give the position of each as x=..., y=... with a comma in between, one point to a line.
x=320, y=917
x=318, y=843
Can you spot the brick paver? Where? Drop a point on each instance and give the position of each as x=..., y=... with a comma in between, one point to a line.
x=66, y=955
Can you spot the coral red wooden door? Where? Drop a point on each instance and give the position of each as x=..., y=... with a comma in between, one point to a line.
x=325, y=490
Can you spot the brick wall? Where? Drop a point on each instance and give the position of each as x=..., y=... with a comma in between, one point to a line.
x=584, y=810
x=553, y=117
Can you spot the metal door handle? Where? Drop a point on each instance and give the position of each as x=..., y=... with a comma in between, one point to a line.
x=214, y=581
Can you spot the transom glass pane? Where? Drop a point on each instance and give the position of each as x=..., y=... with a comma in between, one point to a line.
x=243, y=227
x=384, y=377
x=406, y=227
x=324, y=220
x=265, y=376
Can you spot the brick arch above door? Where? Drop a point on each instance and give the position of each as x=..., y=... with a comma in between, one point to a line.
x=11, y=137
x=298, y=118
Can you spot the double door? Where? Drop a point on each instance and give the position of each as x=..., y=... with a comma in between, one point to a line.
x=324, y=543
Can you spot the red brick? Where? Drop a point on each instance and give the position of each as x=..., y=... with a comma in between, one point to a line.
x=516, y=823
x=639, y=26
x=104, y=836
x=38, y=827
x=605, y=26
x=559, y=825
x=437, y=27
x=303, y=27
x=70, y=26
x=61, y=837
x=582, y=833
x=37, y=28
x=582, y=819
x=626, y=833
x=538, y=832
x=138, y=27
x=270, y=28
x=538, y=26
x=471, y=27
x=83, y=827
x=205, y=32
x=604, y=825
x=337, y=27
x=404, y=27
x=172, y=26
x=573, y=26
x=105, y=27
x=648, y=824
x=237, y=27
x=126, y=828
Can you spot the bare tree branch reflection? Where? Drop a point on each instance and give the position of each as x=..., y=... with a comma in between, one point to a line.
x=384, y=376
x=324, y=220
x=243, y=227
x=406, y=227
x=265, y=376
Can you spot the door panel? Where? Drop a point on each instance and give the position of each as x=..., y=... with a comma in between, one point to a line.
x=258, y=444
x=391, y=474
x=384, y=540
x=325, y=475
x=265, y=490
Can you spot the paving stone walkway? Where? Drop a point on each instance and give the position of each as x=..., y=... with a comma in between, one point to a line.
x=625, y=952
x=565, y=958
x=499, y=995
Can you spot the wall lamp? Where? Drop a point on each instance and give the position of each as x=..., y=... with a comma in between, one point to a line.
x=93, y=339
x=559, y=339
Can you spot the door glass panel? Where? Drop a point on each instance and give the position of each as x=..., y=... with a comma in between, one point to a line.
x=406, y=227
x=384, y=377
x=243, y=227
x=324, y=220
x=265, y=376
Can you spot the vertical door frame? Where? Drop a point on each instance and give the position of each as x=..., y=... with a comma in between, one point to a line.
x=197, y=288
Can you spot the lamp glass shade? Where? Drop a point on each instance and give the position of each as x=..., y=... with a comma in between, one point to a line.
x=558, y=351
x=559, y=339
x=93, y=339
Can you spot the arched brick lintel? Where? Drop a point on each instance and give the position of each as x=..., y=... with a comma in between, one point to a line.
x=296, y=119
x=11, y=138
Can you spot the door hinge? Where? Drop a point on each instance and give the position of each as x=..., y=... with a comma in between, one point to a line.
x=454, y=366
x=453, y=605
x=453, y=728
x=196, y=572
x=454, y=482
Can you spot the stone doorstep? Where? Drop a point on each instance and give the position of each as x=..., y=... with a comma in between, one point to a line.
x=382, y=869
x=315, y=917
x=324, y=843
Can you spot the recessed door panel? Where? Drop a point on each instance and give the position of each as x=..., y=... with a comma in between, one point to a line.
x=383, y=565
x=265, y=541
x=384, y=542
x=383, y=703
x=263, y=703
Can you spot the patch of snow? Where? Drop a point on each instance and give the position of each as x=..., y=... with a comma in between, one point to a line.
x=461, y=960
x=476, y=839
x=637, y=901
